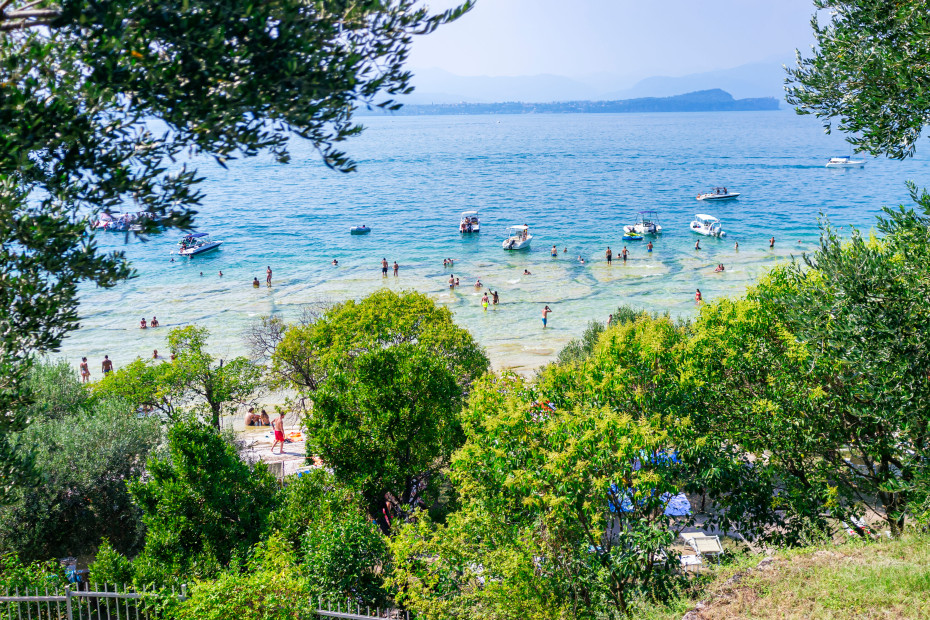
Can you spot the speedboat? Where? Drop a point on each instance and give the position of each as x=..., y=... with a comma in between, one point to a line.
x=704, y=224
x=518, y=238
x=632, y=236
x=647, y=222
x=469, y=223
x=718, y=193
x=359, y=230
x=845, y=162
x=197, y=243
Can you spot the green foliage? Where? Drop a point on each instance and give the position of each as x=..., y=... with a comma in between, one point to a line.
x=387, y=376
x=273, y=587
x=18, y=575
x=869, y=71
x=823, y=370
x=388, y=425
x=194, y=382
x=101, y=99
x=343, y=553
x=202, y=505
x=85, y=452
x=579, y=349
x=536, y=485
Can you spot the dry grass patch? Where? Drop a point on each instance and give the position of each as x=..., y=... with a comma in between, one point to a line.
x=887, y=579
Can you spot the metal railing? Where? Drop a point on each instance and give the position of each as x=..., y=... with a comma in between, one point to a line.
x=91, y=604
x=347, y=614
x=111, y=603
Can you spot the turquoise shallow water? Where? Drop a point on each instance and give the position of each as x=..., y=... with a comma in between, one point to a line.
x=575, y=179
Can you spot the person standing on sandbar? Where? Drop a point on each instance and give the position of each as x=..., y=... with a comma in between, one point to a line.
x=384, y=267
x=545, y=316
x=268, y=275
x=610, y=255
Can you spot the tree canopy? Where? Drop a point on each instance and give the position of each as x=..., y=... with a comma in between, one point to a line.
x=869, y=72
x=101, y=101
x=387, y=377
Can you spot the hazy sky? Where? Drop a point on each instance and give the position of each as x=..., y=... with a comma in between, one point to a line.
x=580, y=38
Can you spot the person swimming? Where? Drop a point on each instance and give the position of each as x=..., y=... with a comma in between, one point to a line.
x=719, y=268
x=142, y=324
x=256, y=283
x=335, y=263
x=478, y=283
x=526, y=272
x=154, y=322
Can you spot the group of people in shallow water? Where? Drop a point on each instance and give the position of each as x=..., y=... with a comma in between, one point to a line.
x=144, y=325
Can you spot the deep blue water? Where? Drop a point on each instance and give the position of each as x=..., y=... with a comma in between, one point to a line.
x=575, y=179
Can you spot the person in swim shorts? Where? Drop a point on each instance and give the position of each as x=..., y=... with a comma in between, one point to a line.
x=649, y=247
x=384, y=267
x=278, y=432
x=545, y=315
x=484, y=301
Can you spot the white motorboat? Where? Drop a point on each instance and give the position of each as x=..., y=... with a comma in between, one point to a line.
x=470, y=222
x=197, y=243
x=704, y=224
x=647, y=223
x=845, y=162
x=718, y=193
x=518, y=238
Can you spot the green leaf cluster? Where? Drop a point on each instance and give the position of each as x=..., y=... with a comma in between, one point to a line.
x=869, y=73
x=387, y=376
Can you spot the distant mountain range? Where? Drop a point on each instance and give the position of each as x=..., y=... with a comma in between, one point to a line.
x=714, y=100
x=754, y=80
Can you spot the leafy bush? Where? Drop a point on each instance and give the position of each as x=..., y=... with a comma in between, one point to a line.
x=85, y=451
x=202, y=505
x=273, y=587
x=343, y=552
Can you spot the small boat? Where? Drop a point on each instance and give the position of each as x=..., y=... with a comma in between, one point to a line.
x=718, y=193
x=197, y=243
x=469, y=223
x=647, y=223
x=845, y=162
x=518, y=238
x=359, y=230
x=704, y=224
x=632, y=236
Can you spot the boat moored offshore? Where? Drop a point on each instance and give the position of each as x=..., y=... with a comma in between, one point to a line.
x=470, y=222
x=718, y=193
x=518, y=238
x=704, y=224
x=845, y=162
x=197, y=243
x=647, y=223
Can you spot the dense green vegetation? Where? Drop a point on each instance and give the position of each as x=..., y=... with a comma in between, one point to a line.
x=453, y=491
x=103, y=102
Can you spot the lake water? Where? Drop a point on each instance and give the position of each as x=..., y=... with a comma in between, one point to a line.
x=575, y=179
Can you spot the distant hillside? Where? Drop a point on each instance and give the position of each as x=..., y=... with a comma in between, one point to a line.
x=757, y=79
x=714, y=100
